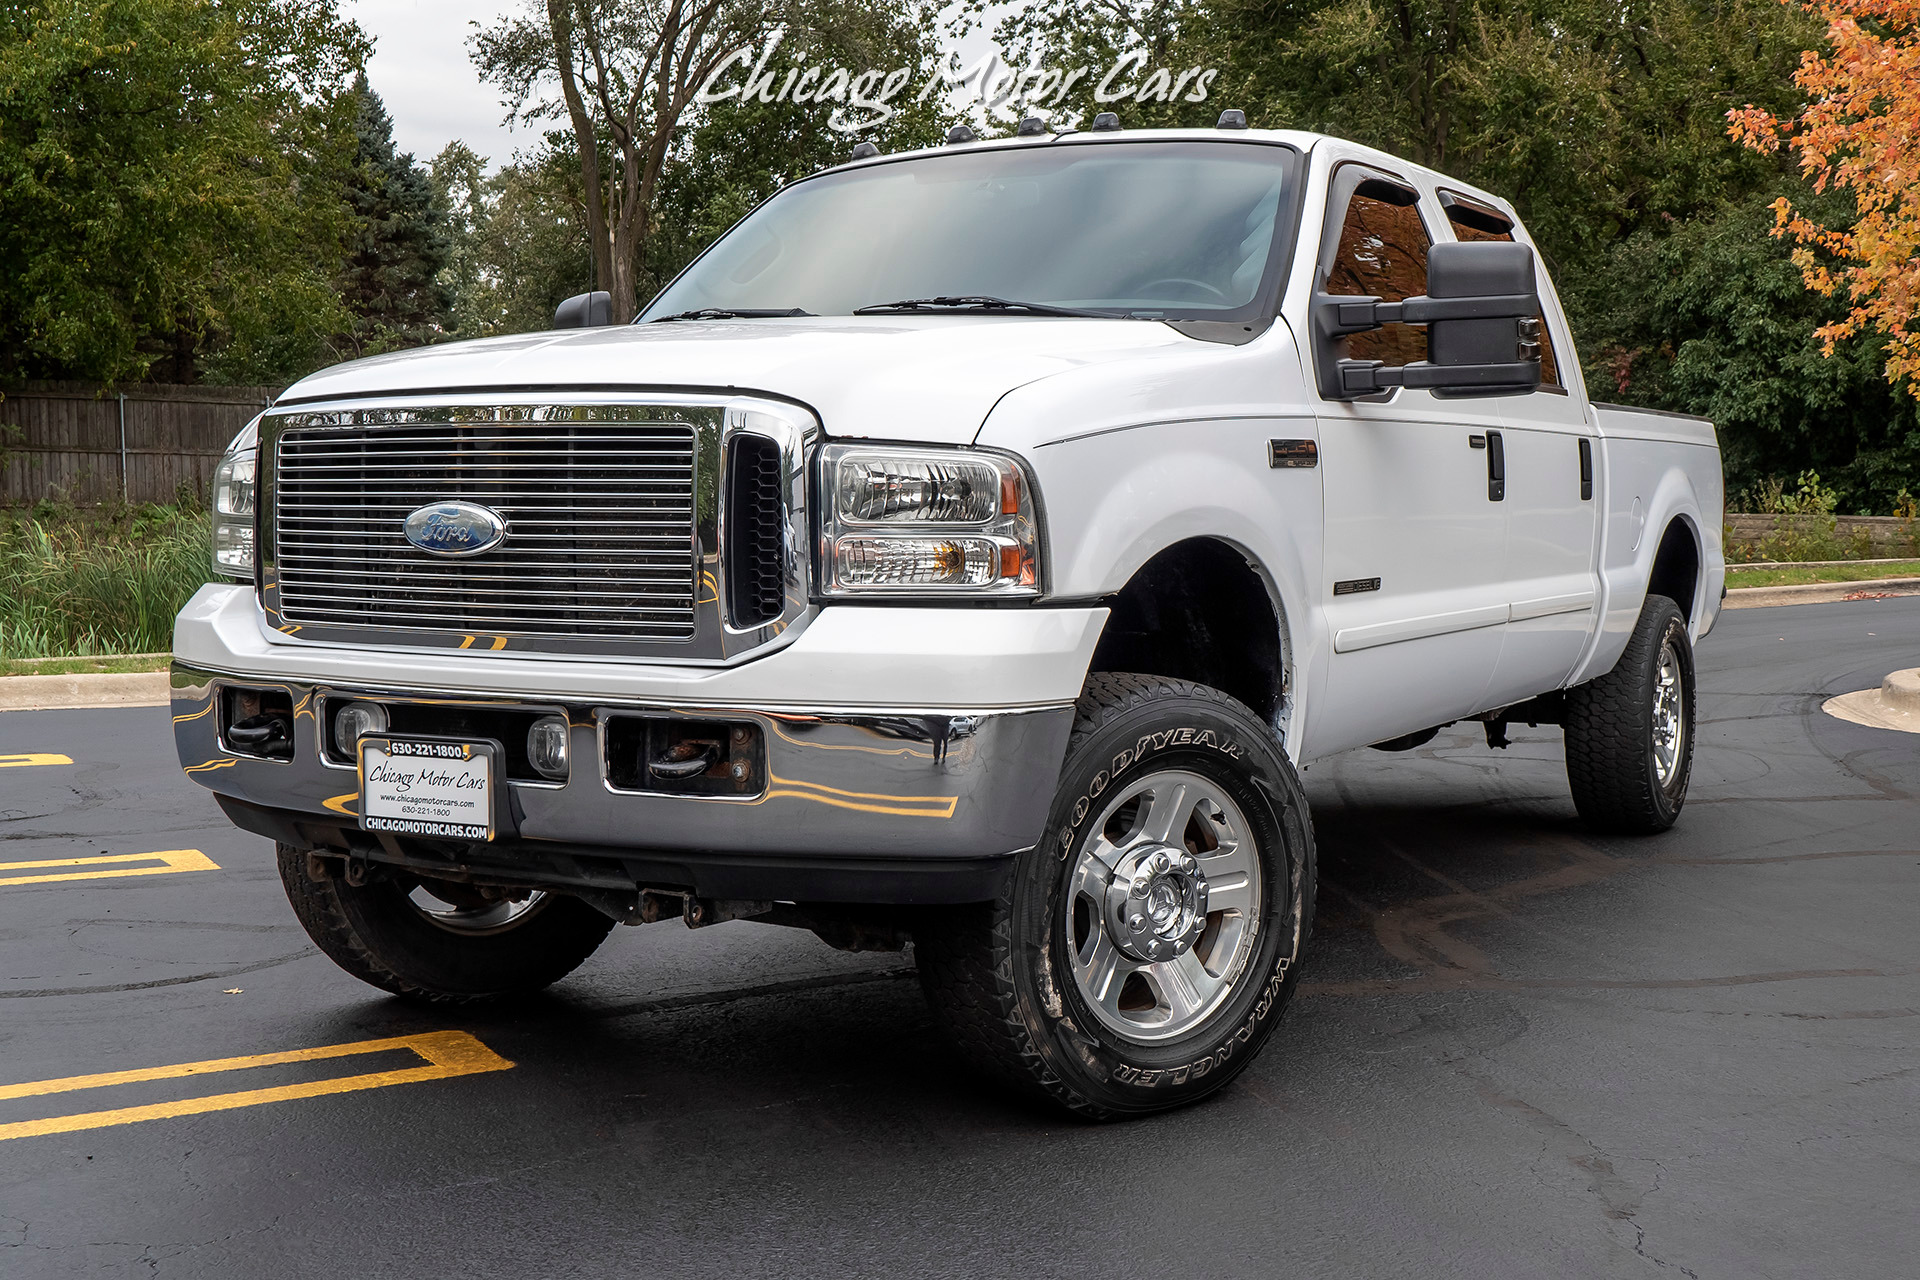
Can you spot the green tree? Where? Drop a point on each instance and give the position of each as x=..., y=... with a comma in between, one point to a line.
x=164, y=179
x=520, y=244
x=458, y=176
x=627, y=72
x=1711, y=317
x=397, y=242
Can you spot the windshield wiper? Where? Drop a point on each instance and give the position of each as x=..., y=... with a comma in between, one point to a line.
x=980, y=302
x=732, y=313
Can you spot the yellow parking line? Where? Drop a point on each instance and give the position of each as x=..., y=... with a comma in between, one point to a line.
x=172, y=860
x=22, y=762
x=448, y=1054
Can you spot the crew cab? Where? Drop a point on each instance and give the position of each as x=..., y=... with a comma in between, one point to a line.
x=965, y=552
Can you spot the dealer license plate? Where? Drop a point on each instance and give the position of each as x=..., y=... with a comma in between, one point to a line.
x=427, y=787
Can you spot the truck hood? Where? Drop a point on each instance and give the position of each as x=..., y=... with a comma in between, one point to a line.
x=931, y=378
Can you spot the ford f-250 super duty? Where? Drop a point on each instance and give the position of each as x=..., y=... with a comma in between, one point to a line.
x=966, y=550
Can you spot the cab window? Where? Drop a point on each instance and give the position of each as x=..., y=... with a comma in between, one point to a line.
x=1382, y=253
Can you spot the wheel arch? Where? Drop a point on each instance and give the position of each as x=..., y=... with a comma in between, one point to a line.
x=1204, y=609
x=1676, y=566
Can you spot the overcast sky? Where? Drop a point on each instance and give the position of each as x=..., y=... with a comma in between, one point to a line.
x=420, y=67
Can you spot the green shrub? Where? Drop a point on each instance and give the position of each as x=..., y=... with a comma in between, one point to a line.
x=1805, y=527
x=77, y=582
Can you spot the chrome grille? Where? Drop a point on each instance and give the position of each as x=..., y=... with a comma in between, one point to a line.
x=600, y=514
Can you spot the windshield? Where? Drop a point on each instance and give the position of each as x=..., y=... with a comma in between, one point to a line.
x=1182, y=230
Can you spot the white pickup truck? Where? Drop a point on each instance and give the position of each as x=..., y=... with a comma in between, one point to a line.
x=966, y=550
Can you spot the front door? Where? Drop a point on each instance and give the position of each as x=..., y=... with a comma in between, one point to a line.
x=1552, y=481
x=1415, y=585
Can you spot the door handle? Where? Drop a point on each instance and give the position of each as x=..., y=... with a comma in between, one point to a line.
x=1586, y=469
x=1496, y=468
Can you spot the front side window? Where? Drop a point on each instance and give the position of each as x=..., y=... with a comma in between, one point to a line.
x=1382, y=254
x=1151, y=230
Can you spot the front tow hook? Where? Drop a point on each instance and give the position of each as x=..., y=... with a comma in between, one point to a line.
x=685, y=760
x=265, y=735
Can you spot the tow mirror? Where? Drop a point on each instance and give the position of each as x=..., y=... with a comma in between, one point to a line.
x=584, y=311
x=1481, y=310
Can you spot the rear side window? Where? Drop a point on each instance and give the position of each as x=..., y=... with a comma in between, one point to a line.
x=1382, y=253
x=1476, y=222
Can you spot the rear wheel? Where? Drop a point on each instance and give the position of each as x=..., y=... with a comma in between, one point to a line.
x=1630, y=732
x=1143, y=952
x=438, y=940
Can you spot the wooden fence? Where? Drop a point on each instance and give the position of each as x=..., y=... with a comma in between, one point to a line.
x=73, y=441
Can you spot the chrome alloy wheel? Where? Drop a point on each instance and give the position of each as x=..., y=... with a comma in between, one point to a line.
x=460, y=909
x=1669, y=716
x=1163, y=904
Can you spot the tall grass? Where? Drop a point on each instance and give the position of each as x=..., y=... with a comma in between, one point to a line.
x=77, y=582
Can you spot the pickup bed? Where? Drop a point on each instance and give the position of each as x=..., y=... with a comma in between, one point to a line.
x=965, y=552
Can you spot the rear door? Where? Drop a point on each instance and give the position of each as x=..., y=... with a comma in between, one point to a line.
x=1415, y=584
x=1551, y=496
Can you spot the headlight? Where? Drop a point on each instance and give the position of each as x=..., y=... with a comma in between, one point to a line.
x=233, y=515
x=929, y=521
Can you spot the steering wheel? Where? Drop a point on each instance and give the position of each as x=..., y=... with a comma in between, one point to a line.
x=1198, y=284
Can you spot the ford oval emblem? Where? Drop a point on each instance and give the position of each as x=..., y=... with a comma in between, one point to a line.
x=455, y=529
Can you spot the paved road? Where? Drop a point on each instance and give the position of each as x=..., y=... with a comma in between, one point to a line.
x=1522, y=1050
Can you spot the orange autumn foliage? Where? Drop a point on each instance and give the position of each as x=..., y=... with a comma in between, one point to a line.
x=1860, y=131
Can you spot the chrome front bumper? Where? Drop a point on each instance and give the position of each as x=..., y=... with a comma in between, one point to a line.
x=909, y=751
x=855, y=806
x=929, y=784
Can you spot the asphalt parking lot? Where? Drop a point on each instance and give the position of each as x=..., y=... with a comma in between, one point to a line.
x=1520, y=1051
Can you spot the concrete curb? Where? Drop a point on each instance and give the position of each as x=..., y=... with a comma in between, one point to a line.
x=63, y=693
x=1894, y=705
x=1818, y=592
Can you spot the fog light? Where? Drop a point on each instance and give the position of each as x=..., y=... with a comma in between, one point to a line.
x=354, y=721
x=547, y=747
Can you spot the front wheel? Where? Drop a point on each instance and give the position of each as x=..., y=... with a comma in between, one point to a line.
x=1630, y=732
x=1142, y=952
x=440, y=941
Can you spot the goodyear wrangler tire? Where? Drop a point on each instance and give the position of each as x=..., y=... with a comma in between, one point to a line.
x=1142, y=953
x=1630, y=732
x=437, y=941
